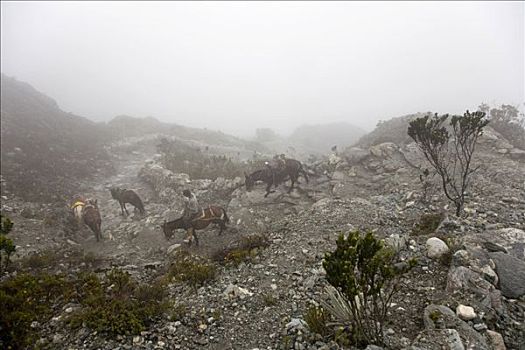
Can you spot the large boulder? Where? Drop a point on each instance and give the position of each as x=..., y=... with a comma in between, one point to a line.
x=355, y=155
x=511, y=274
x=436, y=248
x=384, y=149
x=441, y=317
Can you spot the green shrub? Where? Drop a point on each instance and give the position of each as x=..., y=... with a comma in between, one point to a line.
x=317, y=320
x=191, y=269
x=26, y=298
x=7, y=247
x=118, y=305
x=364, y=277
x=428, y=223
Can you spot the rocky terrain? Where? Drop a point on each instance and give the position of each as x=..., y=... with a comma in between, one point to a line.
x=467, y=290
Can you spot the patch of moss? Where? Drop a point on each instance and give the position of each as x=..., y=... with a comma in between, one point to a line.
x=435, y=315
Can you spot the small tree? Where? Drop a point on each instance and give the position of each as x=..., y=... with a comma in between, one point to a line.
x=450, y=156
x=7, y=248
x=364, y=279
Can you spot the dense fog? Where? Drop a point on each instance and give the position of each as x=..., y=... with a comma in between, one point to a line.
x=236, y=66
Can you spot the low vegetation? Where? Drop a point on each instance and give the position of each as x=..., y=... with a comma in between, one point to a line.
x=115, y=304
x=363, y=281
x=198, y=163
x=317, y=320
x=25, y=299
x=7, y=247
x=191, y=269
x=118, y=304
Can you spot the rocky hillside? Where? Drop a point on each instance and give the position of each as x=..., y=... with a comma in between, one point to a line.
x=215, y=141
x=254, y=286
x=319, y=139
x=45, y=151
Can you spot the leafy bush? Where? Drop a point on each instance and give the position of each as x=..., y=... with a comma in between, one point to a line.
x=7, y=247
x=363, y=278
x=119, y=305
x=26, y=298
x=450, y=156
x=191, y=269
x=428, y=223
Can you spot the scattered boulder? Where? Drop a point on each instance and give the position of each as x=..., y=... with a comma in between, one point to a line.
x=438, y=339
x=511, y=274
x=441, y=317
x=496, y=340
x=436, y=248
x=466, y=313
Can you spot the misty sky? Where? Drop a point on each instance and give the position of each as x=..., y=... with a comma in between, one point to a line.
x=236, y=66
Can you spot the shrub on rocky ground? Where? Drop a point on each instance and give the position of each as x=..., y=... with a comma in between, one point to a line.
x=364, y=279
x=7, y=247
x=317, y=320
x=118, y=305
x=25, y=301
x=178, y=157
x=51, y=259
x=191, y=269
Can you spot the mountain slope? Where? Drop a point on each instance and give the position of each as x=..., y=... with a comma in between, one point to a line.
x=45, y=151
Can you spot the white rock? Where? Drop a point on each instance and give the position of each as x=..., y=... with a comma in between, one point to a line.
x=235, y=291
x=466, y=313
x=436, y=247
x=172, y=248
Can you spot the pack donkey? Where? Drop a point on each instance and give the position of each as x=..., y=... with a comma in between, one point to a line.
x=291, y=169
x=210, y=215
x=124, y=196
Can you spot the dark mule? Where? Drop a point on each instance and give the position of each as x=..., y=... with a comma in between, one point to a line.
x=292, y=169
x=210, y=215
x=124, y=196
x=91, y=217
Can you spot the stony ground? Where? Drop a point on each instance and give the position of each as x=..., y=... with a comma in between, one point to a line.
x=262, y=302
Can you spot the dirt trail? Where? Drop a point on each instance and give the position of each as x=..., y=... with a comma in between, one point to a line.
x=138, y=240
